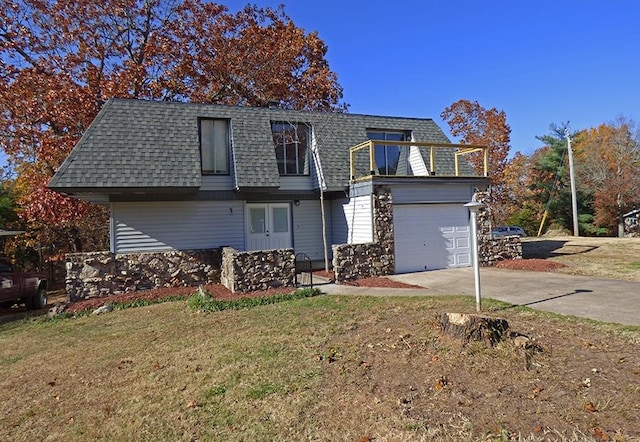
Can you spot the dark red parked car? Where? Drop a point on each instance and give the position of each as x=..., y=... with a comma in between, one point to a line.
x=29, y=288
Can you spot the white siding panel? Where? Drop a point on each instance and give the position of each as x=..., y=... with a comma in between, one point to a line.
x=177, y=225
x=439, y=193
x=359, y=216
x=339, y=227
x=418, y=168
x=307, y=229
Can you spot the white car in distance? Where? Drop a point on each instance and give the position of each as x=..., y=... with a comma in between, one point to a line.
x=503, y=231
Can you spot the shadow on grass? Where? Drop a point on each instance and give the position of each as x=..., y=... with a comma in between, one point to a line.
x=541, y=248
x=19, y=313
x=547, y=248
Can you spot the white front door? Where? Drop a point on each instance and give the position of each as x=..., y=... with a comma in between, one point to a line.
x=268, y=226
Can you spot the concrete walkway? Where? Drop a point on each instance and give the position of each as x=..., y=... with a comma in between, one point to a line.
x=605, y=300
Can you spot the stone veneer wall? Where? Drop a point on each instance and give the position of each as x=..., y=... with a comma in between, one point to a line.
x=99, y=274
x=377, y=258
x=491, y=250
x=257, y=270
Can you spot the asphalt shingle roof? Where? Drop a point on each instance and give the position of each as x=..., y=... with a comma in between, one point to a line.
x=146, y=144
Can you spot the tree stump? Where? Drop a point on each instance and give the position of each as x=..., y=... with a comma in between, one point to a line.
x=470, y=327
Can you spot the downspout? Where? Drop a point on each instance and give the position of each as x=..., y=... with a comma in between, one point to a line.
x=233, y=157
x=322, y=185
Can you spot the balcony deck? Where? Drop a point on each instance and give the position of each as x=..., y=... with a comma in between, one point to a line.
x=414, y=159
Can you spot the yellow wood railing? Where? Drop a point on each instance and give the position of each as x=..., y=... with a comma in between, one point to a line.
x=458, y=151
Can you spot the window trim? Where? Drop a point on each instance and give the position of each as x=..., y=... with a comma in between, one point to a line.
x=214, y=149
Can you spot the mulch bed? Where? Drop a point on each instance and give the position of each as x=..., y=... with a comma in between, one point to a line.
x=533, y=264
x=218, y=291
x=373, y=281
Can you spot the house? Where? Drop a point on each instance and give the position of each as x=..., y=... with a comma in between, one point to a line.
x=630, y=226
x=183, y=176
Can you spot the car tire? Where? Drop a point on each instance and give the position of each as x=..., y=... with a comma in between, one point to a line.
x=7, y=304
x=38, y=301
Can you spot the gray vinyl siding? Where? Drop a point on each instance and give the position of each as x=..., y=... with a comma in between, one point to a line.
x=444, y=193
x=359, y=217
x=217, y=182
x=176, y=225
x=296, y=183
x=307, y=229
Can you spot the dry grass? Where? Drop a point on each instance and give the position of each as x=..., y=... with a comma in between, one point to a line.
x=326, y=368
x=617, y=258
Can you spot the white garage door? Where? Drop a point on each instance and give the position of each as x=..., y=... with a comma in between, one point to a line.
x=430, y=237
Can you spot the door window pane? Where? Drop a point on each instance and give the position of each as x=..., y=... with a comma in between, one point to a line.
x=280, y=219
x=257, y=219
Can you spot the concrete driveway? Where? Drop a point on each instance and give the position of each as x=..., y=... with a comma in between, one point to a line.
x=600, y=299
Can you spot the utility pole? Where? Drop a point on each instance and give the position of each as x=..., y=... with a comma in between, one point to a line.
x=574, y=199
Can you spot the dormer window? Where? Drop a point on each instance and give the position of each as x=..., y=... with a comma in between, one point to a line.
x=291, y=142
x=214, y=146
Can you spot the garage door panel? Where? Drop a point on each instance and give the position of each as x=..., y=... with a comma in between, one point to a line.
x=429, y=237
x=462, y=243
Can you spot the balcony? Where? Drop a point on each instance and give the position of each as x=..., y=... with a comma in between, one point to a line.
x=413, y=158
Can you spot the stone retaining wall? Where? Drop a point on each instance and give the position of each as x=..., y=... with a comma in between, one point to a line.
x=99, y=274
x=257, y=270
x=353, y=261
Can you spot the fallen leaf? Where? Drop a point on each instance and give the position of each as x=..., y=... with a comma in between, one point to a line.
x=535, y=392
x=590, y=407
x=442, y=382
x=600, y=435
x=192, y=403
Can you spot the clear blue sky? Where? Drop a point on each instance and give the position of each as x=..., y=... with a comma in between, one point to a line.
x=542, y=62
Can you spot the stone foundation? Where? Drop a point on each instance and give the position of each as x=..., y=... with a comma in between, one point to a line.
x=99, y=274
x=257, y=270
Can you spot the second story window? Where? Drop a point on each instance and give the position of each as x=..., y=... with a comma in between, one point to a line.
x=387, y=156
x=214, y=146
x=291, y=142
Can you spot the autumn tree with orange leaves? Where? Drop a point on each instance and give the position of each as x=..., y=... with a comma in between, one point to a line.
x=474, y=124
x=61, y=60
x=608, y=167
